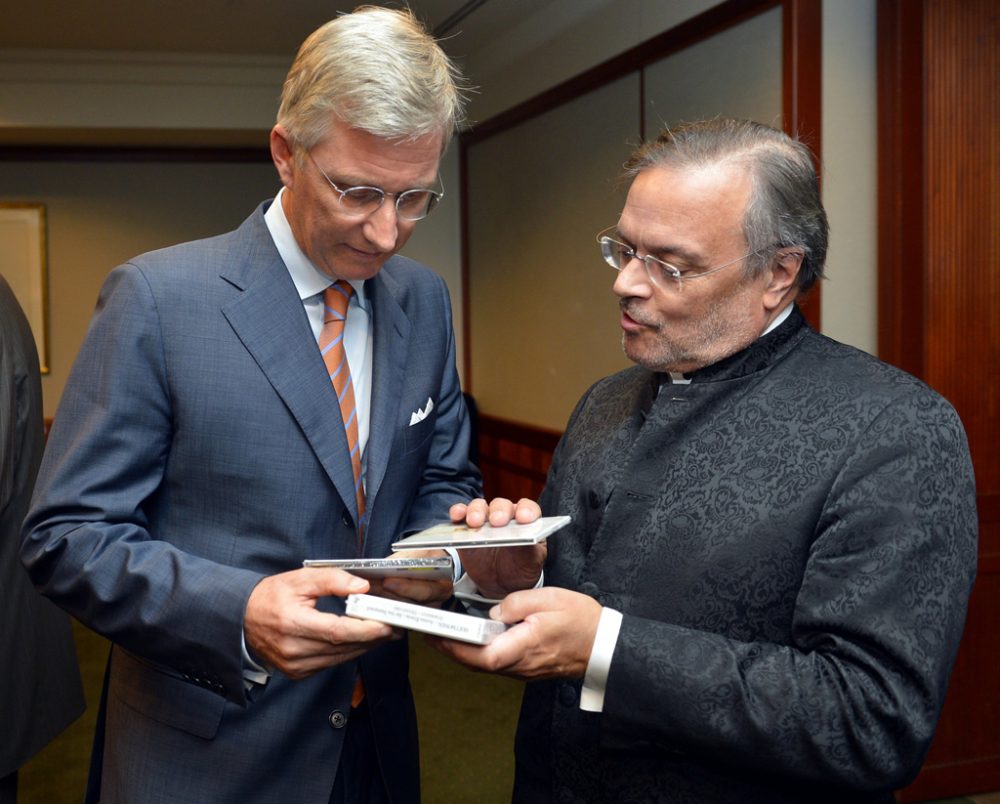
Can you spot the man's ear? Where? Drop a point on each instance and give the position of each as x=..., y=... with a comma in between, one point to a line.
x=785, y=267
x=282, y=155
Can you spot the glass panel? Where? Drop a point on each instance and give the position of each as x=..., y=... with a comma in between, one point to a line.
x=544, y=321
x=736, y=73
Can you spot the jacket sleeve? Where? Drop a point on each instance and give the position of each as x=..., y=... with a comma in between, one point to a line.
x=855, y=697
x=87, y=542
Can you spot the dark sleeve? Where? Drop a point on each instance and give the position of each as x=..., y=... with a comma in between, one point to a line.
x=855, y=697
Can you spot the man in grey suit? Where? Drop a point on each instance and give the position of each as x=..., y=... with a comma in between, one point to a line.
x=762, y=590
x=201, y=452
x=40, y=690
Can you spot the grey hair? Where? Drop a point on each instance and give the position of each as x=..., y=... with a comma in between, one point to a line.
x=375, y=69
x=784, y=208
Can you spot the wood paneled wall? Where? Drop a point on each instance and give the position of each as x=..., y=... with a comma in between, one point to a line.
x=939, y=307
x=514, y=458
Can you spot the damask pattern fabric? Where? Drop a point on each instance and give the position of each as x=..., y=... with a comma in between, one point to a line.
x=791, y=539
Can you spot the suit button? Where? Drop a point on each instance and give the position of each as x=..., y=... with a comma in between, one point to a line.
x=337, y=719
x=346, y=519
x=567, y=694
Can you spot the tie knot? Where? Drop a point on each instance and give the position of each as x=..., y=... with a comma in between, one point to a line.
x=335, y=299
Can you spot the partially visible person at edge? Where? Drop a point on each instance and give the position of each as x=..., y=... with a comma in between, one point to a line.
x=773, y=542
x=40, y=689
x=207, y=442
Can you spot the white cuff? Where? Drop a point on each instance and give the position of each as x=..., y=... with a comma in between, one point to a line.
x=456, y=564
x=252, y=672
x=595, y=680
x=465, y=589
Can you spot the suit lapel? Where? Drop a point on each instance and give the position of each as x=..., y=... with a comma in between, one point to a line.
x=389, y=360
x=270, y=321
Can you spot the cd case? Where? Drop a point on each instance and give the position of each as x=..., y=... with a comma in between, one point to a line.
x=452, y=534
x=423, y=569
x=429, y=620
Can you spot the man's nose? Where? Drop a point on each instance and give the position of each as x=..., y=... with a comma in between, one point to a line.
x=633, y=280
x=382, y=226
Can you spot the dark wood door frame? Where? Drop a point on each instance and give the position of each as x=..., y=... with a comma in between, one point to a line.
x=939, y=308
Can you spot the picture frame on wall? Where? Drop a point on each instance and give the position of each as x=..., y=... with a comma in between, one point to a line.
x=23, y=263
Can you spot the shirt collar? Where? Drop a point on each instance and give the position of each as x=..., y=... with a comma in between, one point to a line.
x=308, y=279
x=754, y=357
x=778, y=321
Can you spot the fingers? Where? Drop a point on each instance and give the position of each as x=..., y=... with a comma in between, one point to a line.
x=457, y=512
x=316, y=582
x=476, y=513
x=285, y=631
x=518, y=605
x=428, y=593
x=308, y=641
x=300, y=658
x=551, y=635
x=498, y=512
x=527, y=511
x=502, y=511
x=505, y=655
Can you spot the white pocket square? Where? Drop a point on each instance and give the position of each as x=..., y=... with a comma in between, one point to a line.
x=421, y=413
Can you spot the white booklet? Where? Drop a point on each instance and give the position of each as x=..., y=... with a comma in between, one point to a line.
x=427, y=619
x=449, y=534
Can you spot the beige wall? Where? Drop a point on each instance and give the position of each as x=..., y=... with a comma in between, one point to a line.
x=100, y=214
x=544, y=321
x=737, y=73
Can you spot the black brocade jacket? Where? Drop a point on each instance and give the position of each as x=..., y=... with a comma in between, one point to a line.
x=792, y=541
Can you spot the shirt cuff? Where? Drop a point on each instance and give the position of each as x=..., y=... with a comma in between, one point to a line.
x=253, y=673
x=595, y=680
x=465, y=589
x=456, y=563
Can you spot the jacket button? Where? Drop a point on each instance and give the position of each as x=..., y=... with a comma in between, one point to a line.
x=567, y=694
x=346, y=519
x=337, y=719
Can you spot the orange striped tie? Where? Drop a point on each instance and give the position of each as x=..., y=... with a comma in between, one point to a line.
x=331, y=345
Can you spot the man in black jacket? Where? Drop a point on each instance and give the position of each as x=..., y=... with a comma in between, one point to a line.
x=763, y=587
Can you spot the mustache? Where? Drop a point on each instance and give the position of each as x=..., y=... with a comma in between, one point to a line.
x=630, y=306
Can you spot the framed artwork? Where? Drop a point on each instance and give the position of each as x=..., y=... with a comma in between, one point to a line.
x=23, y=265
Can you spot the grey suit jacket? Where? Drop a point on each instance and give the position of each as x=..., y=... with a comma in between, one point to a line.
x=198, y=448
x=40, y=690
x=791, y=539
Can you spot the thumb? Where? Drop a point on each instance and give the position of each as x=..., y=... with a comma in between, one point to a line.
x=324, y=581
x=518, y=605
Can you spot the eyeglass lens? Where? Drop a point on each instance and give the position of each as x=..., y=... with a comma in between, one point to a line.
x=618, y=255
x=411, y=205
